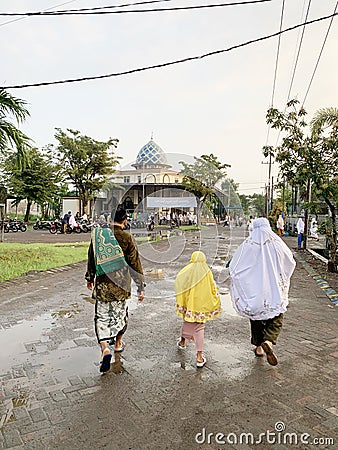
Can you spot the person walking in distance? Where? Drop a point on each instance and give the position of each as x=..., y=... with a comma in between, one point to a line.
x=260, y=273
x=280, y=225
x=300, y=232
x=113, y=259
x=197, y=301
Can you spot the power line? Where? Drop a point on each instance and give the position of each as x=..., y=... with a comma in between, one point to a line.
x=52, y=7
x=125, y=5
x=170, y=63
x=276, y=65
x=296, y=61
x=298, y=53
x=177, y=8
x=277, y=55
x=320, y=54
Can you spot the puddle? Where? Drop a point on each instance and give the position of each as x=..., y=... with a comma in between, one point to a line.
x=236, y=361
x=13, y=339
x=227, y=305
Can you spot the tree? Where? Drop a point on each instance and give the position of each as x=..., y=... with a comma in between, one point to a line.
x=309, y=159
x=87, y=163
x=36, y=182
x=10, y=135
x=253, y=204
x=201, y=177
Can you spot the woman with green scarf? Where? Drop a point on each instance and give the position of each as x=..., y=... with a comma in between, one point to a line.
x=113, y=260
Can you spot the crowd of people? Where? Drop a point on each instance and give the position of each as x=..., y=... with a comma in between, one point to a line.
x=260, y=273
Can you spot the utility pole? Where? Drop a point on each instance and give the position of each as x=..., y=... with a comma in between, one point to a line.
x=268, y=188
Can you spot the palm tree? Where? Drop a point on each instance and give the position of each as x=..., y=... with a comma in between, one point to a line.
x=10, y=135
x=324, y=116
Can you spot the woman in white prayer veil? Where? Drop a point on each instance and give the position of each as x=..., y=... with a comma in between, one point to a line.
x=260, y=273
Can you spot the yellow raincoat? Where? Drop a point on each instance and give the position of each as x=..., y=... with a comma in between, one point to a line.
x=197, y=298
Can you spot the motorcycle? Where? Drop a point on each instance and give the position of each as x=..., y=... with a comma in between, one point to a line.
x=10, y=226
x=55, y=227
x=21, y=225
x=75, y=229
x=42, y=225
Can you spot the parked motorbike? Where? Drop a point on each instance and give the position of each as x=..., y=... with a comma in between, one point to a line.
x=42, y=225
x=55, y=226
x=75, y=229
x=21, y=225
x=10, y=226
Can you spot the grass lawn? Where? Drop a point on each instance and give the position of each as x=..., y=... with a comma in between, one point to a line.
x=18, y=259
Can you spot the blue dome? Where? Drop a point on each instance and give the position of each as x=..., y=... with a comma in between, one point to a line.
x=151, y=154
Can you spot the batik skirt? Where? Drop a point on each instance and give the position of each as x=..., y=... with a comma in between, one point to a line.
x=111, y=319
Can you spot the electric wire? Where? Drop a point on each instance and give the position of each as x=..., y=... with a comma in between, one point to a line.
x=320, y=54
x=277, y=55
x=170, y=63
x=296, y=61
x=176, y=8
x=298, y=52
x=25, y=17
x=276, y=66
x=124, y=5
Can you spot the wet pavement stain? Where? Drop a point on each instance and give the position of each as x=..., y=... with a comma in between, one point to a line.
x=66, y=313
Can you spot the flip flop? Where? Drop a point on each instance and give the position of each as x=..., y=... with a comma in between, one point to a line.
x=120, y=350
x=105, y=363
x=180, y=346
x=270, y=356
x=201, y=364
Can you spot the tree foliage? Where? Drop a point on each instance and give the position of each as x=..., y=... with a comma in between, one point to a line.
x=10, y=136
x=253, y=205
x=87, y=163
x=309, y=158
x=36, y=182
x=201, y=177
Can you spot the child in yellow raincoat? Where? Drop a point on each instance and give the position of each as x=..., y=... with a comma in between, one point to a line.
x=197, y=300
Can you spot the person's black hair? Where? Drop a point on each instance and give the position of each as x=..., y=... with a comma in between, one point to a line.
x=120, y=215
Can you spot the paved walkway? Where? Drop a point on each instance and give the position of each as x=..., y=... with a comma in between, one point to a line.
x=53, y=397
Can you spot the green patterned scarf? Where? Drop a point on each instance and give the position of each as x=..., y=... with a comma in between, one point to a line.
x=108, y=254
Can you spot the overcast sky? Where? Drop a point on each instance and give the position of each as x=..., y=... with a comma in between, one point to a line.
x=213, y=105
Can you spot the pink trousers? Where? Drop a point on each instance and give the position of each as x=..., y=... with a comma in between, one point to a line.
x=195, y=331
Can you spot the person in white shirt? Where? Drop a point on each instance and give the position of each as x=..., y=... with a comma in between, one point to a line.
x=280, y=225
x=300, y=232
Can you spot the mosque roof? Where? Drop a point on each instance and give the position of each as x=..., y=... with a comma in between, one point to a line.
x=151, y=154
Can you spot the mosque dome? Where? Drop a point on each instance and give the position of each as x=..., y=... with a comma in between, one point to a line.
x=151, y=155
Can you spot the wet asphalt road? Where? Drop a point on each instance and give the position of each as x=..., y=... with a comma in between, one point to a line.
x=53, y=396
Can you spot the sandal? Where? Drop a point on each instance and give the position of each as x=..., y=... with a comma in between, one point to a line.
x=105, y=363
x=120, y=350
x=270, y=356
x=201, y=364
x=180, y=346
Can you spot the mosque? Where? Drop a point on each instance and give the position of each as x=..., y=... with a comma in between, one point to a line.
x=149, y=184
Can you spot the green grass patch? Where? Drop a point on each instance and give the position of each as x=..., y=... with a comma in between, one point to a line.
x=18, y=259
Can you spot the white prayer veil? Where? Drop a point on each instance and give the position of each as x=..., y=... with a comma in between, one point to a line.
x=260, y=273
